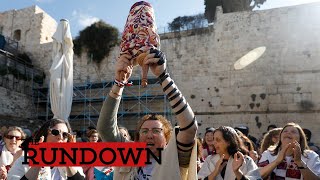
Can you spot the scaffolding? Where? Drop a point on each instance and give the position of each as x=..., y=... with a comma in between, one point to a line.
x=89, y=97
x=16, y=73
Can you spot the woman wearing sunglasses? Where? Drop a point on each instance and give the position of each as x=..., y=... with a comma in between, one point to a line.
x=10, y=150
x=55, y=130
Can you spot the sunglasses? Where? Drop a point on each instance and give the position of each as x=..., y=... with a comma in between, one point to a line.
x=57, y=132
x=11, y=137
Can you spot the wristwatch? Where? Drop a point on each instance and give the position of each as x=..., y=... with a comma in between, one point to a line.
x=304, y=166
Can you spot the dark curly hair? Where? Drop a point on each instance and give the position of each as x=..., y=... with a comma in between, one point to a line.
x=43, y=131
x=235, y=143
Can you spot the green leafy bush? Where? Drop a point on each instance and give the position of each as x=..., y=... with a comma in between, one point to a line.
x=97, y=40
x=187, y=22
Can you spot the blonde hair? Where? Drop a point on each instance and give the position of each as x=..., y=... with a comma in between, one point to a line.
x=15, y=128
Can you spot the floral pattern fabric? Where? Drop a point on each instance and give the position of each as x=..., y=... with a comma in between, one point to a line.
x=139, y=33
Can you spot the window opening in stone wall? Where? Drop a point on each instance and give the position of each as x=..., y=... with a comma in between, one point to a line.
x=17, y=35
x=1, y=29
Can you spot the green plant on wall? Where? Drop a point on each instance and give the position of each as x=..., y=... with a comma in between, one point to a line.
x=96, y=40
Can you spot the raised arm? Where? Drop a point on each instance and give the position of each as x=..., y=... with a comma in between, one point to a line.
x=184, y=114
x=107, y=122
x=266, y=169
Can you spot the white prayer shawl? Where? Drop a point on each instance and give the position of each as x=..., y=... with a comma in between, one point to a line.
x=248, y=168
x=6, y=156
x=169, y=168
x=18, y=170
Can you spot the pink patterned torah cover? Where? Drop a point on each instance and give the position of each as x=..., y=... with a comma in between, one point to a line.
x=139, y=33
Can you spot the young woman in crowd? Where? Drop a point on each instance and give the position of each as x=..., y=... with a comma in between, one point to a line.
x=291, y=158
x=57, y=131
x=9, y=149
x=125, y=133
x=271, y=138
x=208, y=148
x=248, y=145
x=228, y=163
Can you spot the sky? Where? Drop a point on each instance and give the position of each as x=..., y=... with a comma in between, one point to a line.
x=82, y=13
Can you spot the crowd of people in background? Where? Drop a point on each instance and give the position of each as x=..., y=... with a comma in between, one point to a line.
x=222, y=153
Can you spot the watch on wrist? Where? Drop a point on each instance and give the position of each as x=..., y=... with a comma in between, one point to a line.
x=303, y=166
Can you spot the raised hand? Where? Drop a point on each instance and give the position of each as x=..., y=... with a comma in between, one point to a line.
x=123, y=68
x=156, y=61
x=254, y=155
x=238, y=159
x=296, y=152
x=72, y=138
x=218, y=168
x=282, y=153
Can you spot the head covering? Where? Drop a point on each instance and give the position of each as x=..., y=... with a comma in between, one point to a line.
x=139, y=33
x=243, y=129
x=210, y=129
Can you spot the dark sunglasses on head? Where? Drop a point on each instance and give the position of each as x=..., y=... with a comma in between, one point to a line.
x=11, y=137
x=57, y=132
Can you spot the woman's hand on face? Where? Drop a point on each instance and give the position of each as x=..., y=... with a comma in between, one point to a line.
x=238, y=160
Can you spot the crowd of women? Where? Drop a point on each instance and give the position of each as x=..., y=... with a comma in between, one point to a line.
x=283, y=154
x=225, y=153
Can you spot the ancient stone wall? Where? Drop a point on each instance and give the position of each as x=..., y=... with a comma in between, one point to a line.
x=36, y=30
x=280, y=87
x=17, y=104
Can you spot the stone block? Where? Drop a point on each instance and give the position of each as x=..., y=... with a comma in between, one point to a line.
x=278, y=107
